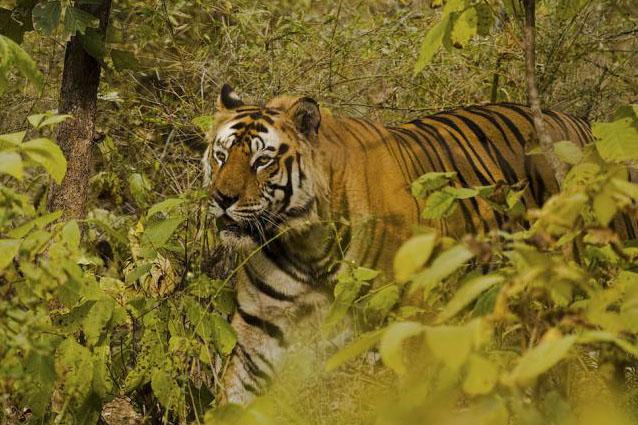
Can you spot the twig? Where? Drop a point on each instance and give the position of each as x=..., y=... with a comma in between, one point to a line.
x=544, y=138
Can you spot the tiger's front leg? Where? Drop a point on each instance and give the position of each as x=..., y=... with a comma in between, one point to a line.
x=273, y=308
x=254, y=359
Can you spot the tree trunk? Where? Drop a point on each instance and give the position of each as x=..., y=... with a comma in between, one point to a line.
x=78, y=97
x=545, y=140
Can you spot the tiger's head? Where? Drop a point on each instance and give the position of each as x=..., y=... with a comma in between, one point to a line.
x=260, y=167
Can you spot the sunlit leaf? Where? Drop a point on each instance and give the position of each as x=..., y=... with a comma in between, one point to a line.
x=411, y=256
x=470, y=291
x=438, y=205
x=444, y=265
x=464, y=27
x=165, y=206
x=46, y=153
x=8, y=250
x=481, y=377
x=430, y=182
x=450, y=344
x=540, y=359
x=11, y=164
x=12, y=55
x=568, y=152
x=360, y=345
x=391, y=344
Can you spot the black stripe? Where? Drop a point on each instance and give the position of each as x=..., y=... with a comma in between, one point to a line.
x=269, y=328
x=442, y=142
x=264, y=287
x=483, y=178
x=510, y=174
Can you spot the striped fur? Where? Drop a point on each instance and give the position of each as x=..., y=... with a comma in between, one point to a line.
x=321, y=169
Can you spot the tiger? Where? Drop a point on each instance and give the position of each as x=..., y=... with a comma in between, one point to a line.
x=279, y=176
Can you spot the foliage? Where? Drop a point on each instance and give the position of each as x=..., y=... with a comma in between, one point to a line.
x=126, y=304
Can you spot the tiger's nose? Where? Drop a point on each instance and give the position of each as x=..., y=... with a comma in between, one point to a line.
x=224, y=201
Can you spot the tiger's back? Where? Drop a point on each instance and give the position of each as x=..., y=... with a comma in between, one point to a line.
x=485, y=145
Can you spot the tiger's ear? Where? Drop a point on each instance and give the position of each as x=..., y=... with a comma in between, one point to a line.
x=306, y=116
x=228, y=99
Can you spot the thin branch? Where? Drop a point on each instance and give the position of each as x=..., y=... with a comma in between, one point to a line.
x=544, y=138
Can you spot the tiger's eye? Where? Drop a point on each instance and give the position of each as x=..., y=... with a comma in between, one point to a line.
x=220, y=156
x=262, y=161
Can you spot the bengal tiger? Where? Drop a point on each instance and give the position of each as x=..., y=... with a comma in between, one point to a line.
x=281, y=174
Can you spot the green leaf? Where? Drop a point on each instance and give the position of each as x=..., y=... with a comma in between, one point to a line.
x=71, y=234
x=77, y=21
x=11, y=164
x=461, y=192
x=12, y=55
x=365, y=274
x=431, y=44
x=391, y=345
x=165, y=388
x=413, y=254
x=346, y=292
x=97, y=320
x=618, y=140
x=450, y=344
x=204, y=122
x=139, y=186
x=47, y=119
x=568, y=152
x=156, y=235
x=357, y=347
x=481, y=377
x=12, y=139
x=46, y=16
x=8, y=250
x=41, y=371
x=46, y=153
x=434, y=38
x=430, y=182
x=540, y=359
x=74, y=368
x=603, y=336
x=464, y=28
x=164, y=206
x=627, y=188
x=604, y=205
x=438, y=205
x=468, y=293
x=383, y=301
x=93, y=43
x=442, y=266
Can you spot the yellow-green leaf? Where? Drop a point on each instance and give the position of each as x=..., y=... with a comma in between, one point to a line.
x=482, y=376
x=357, y=347
x=391, y=345
x=8, y=250
x=450, y=344
x=468, y=293
x=442, y=266
x=568, y=152
x=11, y=164
x=46, y=153
x=413, y=254
x=540, y=359
x=465, y=26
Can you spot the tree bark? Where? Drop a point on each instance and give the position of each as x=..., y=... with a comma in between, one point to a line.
x=78, y=97
x=545, y=140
